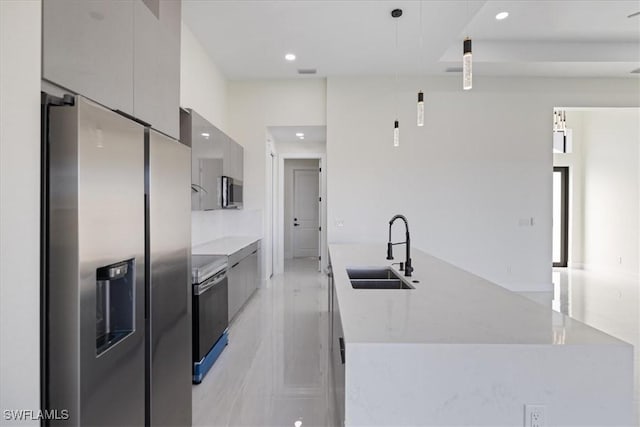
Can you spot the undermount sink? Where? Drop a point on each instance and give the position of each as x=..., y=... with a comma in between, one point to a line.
x=376, y=278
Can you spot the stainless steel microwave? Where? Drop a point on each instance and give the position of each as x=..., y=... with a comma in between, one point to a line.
x=230, y=193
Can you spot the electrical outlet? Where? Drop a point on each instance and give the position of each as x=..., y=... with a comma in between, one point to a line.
x=535, y=416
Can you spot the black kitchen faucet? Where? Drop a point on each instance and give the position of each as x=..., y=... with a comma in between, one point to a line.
x=408, y=269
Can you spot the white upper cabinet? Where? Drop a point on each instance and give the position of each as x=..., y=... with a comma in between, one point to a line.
x=122, y=54
x=233, y=159
x=87, y=48
x=156, y=71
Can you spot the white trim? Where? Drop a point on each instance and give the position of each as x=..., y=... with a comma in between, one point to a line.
x=279, y=224
x=268, y=217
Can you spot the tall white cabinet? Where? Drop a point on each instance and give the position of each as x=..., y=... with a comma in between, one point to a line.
x=122, y=54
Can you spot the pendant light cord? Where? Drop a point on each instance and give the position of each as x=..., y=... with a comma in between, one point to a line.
x=421, y=37
x=396, y=76
x=421, y=59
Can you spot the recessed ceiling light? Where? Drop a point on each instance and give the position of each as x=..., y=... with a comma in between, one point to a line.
x=290, y=57
x=502, y=15
x=299, y=134
x=206, y=135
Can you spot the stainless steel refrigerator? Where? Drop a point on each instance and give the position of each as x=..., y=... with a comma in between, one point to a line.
x=118, y=311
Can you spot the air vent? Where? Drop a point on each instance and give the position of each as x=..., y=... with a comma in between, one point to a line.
x=307, y=71
x=453, y=69
x=636, y=71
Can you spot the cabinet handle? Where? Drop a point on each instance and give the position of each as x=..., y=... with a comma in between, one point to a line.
x=341, y=341
x=235, y=265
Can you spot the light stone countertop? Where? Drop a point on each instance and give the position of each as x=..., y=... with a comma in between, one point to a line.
x=447, y=306
x=224, y=246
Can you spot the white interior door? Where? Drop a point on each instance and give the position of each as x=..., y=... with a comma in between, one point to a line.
x=306, y=220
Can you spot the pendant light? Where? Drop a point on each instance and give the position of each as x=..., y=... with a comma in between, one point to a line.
x=420, y=106
x=396, y=13
x=467, y=75
x=396, y=134
x=560, y=121
x=420, y=109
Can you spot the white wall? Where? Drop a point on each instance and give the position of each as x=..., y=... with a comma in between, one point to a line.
x=611, y=141
x=203, y=87
x=574, y=161
x=20, y=52
x=482, y=163
x=311, y=147
x=210, y=225
x=256, y=105
x=289, y=166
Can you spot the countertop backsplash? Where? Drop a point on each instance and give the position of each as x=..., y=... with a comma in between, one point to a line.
x=211, y=225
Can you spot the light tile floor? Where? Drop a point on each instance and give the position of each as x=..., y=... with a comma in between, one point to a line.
x=607, y=302
x=274, y=371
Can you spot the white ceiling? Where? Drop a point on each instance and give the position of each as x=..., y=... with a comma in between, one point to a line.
x=248, y=39
x=317, y=134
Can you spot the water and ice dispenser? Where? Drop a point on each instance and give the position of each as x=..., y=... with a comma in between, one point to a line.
x=115, y=304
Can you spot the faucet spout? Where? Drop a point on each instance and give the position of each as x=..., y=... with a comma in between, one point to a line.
x=408, y=269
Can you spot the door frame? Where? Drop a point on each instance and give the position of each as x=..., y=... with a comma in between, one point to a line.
x=564, y=216
x=279, y=218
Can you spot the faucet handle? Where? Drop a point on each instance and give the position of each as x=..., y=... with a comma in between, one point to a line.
x=409, y=268
x=389, y=250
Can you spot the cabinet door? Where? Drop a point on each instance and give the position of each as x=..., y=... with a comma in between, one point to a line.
x=87, y=48
x=240, y=163
x=227, y=163
x=236, y=289
x=338, y=358
x=156, y=77
x=252, y=272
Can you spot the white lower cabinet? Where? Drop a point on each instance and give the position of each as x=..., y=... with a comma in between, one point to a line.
x=243, y=276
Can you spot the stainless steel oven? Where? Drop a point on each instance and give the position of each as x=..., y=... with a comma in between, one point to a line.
x=210, y=304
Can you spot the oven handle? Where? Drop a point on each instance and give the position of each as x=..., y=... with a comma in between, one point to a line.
x=206, y=286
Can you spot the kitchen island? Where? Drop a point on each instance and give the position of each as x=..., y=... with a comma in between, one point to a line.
x=459, y=350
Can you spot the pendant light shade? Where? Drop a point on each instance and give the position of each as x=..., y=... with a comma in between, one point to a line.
x=467, y=76
x=420, y=109
x=396, y=134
